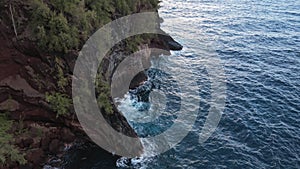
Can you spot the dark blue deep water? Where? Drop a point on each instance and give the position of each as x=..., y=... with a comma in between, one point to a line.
x=258, y=45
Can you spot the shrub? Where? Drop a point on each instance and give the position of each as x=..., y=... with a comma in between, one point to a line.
x=62, y=81
x=52, y=30
x=104, y=103
x=60, y=25
x=7, y=150
x=103, y=95
x=103, y=10
x=60, y=103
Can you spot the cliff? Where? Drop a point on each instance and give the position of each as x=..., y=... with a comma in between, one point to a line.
x=40, y=41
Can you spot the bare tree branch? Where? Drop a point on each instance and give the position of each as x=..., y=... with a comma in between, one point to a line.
x=13, y=20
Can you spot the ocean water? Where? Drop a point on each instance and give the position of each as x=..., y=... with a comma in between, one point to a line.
x=257, y=44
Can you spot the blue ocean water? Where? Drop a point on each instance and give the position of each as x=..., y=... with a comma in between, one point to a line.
x=258, y=45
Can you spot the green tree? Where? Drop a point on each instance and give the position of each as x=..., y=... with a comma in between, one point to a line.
x=7, y=150
x=60, y=103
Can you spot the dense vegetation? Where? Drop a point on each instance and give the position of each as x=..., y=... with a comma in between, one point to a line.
x=58, y=27
x=61, y=25
x=103, y=94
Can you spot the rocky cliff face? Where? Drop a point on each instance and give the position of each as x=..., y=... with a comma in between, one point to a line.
x=34, y=83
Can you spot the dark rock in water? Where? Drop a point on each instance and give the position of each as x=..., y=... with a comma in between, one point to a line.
x=170, y=43
x=173, y=45
x=166, y=43
x=142, y=92
x=138, y=80
x=88, y=155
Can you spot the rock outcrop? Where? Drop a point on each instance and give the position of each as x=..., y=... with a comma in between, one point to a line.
x=27, y=74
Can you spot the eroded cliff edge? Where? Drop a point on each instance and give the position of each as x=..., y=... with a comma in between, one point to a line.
x=40, y=41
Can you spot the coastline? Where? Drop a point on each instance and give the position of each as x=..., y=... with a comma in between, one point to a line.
x=30, y=75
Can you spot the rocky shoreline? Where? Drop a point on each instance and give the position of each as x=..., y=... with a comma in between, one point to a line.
x=27, y=75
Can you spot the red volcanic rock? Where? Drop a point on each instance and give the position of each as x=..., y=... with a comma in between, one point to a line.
x=27, y=142
x=35, y=157
x=45, y=143
x=67, y=136
x=54, y=146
